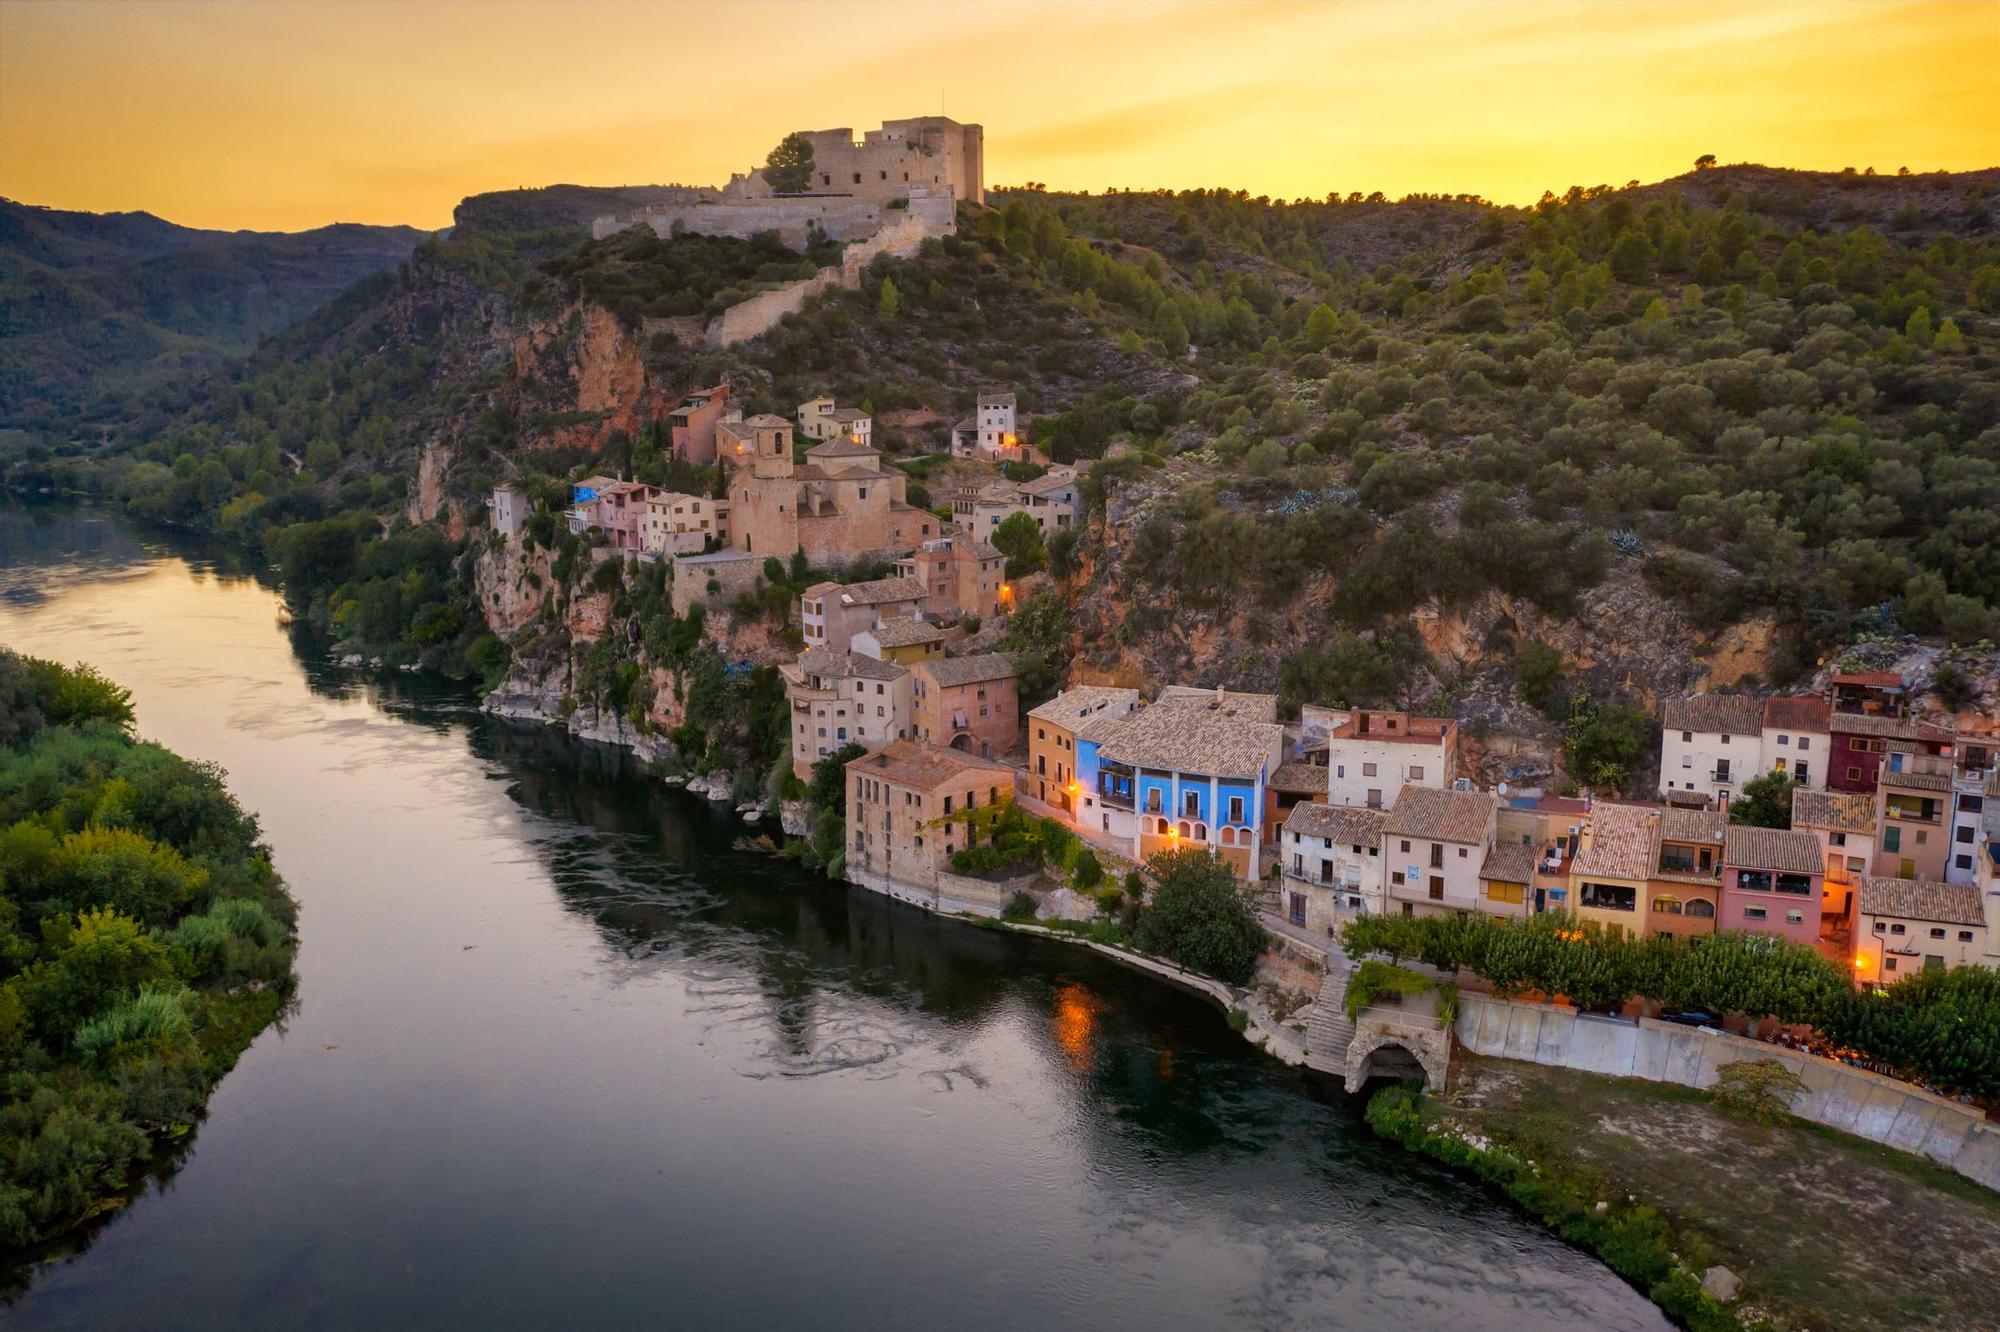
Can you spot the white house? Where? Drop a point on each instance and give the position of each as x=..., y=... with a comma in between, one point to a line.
x=510, y=510
x=1903, y=926
x=1332, y=856
x=840, y=698
x=1434, y=845
x=1796, y=741
x=1710, y=744
x=989, y=431
x=1373, y=755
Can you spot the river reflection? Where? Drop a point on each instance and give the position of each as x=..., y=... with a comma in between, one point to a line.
x=564, y=1056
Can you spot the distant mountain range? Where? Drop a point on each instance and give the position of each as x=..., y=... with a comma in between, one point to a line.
x=99, y=304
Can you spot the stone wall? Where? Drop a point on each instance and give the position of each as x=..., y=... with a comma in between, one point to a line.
x=733, y=572
x=1853, y=1100
x=955, y=892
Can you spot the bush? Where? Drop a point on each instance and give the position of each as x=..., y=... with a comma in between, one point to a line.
x=1019, y=907
x=1374, y=979
x=1758, y=1089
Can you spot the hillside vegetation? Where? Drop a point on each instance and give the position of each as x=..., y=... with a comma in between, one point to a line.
x=1531, y=466
x=93, y=304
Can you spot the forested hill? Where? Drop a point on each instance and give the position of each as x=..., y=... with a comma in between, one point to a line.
x=1515, y=464
x=94, y=304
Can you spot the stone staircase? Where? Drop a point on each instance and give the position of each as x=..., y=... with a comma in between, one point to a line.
x=1330, y=1031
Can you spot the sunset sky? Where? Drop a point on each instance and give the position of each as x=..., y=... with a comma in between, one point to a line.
x=289, y=115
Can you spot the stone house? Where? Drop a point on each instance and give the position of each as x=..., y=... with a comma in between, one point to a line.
x=1684, y=887
x=1052, y=499
x=831, y=614
x=1842, y=824
x=1906, y=925
x=924, y=154
x=980, y=509
x=1434, y=845
x=989, y=432
x=1796, y=740
x=968, y=703
x=510, y=510
x=615, y=508
x=1608, y=876
x=1332, y=857
x=904, y=640
x=1913, y=797
x=1710, y=744
x=960, y=576
x=840, y=698
x=838, y=506
x=1191, y=770
x=1373, y=754
x=677, y=524
x=901, y=834
x=1772, y=881
x=691, y=426
x=1052, y=740
x=1507, y=880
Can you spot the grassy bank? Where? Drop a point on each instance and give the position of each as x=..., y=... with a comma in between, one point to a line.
x=1825, y=1230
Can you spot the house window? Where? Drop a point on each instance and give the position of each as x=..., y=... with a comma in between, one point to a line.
x=1785, y=740
x=1190, y=803
x=1416, y=774
x=1937, y=934
x=1367, y=770
x=1896, y=929
x=1437, y=888
x=1406, y=846
x=1795, y=918
x=1965, y=936
x=1892, y=838
x=1754, y=913
x=1888, y=964
x=1805, y=743
x=1236, y=809
x=1687, y=737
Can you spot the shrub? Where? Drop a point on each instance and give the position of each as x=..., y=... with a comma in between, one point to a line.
x=1373, y=980
x=1019, y=907
x=1764, y=1090
x=1200, y=916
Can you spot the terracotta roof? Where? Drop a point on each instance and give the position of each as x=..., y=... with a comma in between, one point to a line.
x=877, y=591
x=925, y=767
x=1060, y=478
x=1871, y=679
x=953, y=671
x=766, y=419
x=1300, y=778
x=1693, y=825
x=1892, y=728
x=1189, y=733
x=1440, y=816
x=1836, y=811
x=841, y=446
x=1724, y=714
x=1079, y=703
x=1622, y=843
x=1795, y=714
x=1346, y=825
x=904, y=631
x=847, y=666
x=1407, y=729
x=1785, y=850
x=848, y=414
x=1914, y=781
x=1509, y=862
x=1922, y=899
x=1250, y=707
x=996, y=398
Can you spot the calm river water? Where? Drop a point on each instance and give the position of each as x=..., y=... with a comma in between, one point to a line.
x=563, y=1058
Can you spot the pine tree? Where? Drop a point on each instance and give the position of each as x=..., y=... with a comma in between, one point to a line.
x=890, y=301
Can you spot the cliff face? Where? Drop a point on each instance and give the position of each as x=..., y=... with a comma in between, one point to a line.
x=577, y=379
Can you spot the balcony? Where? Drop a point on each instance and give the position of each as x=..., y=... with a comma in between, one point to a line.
x=1722, y=776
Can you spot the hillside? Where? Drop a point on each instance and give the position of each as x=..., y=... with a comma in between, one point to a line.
x=1530, y=467
x=93, y=304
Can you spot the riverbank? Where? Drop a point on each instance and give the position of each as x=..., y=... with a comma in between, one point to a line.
x=1663, y=1186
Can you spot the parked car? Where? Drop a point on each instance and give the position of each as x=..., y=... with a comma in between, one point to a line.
x=1693, y=1017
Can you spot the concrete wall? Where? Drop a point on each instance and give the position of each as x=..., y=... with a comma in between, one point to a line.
x=1853, y=1100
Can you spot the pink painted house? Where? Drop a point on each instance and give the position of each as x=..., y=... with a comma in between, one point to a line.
x=1772, y=879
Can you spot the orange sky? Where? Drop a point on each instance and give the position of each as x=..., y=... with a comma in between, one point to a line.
x=287, y=115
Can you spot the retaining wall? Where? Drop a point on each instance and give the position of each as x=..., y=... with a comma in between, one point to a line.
x=1853, y=1100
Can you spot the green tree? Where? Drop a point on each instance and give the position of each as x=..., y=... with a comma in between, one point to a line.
x=1605, y=743
x=1200, y=916
x=828, y=788
x=1632, y=256
x=788, y=168
x=1764, y=802
x=1019, y=538
x=1322, y=327
x=889, y=301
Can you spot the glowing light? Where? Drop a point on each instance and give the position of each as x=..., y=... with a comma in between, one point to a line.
x=1860, y=961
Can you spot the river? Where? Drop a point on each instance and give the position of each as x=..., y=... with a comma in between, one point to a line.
x=562, y=1057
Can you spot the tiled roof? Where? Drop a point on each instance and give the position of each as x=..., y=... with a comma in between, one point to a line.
x=1836, y=811
x=905, y=631
x=1693, y=825
x=1440, y=816
x=766, y=419
x=1074, y=705
x=1725, y=714
x=841, y=446
x=877, y=591
x=1795, y=714
x=1059, y=478
x=926, y=767
x=1189, y=733
x=847, y=414
x=1922, y=899
x=1300, y=778
x=1871, y=679
x=1785, y=850
x=1346, y=825
x=1509, y=862
x=1622, y=842
x=1890, y=728
x=952, y=671
x=847, y=665
x=1914, y=781
x=1392, y=728
x=1249, y=707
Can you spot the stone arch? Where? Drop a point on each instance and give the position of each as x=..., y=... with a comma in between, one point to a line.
x=1376, y=1053
x=962, y=742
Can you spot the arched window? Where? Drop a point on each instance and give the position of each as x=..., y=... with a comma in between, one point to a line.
x=1229, y=837
x=1701, y=907
x=1669, y=905
x=1185, y=830
x=1201, y=832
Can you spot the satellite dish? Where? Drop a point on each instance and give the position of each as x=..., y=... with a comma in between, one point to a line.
x=1502, y=789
